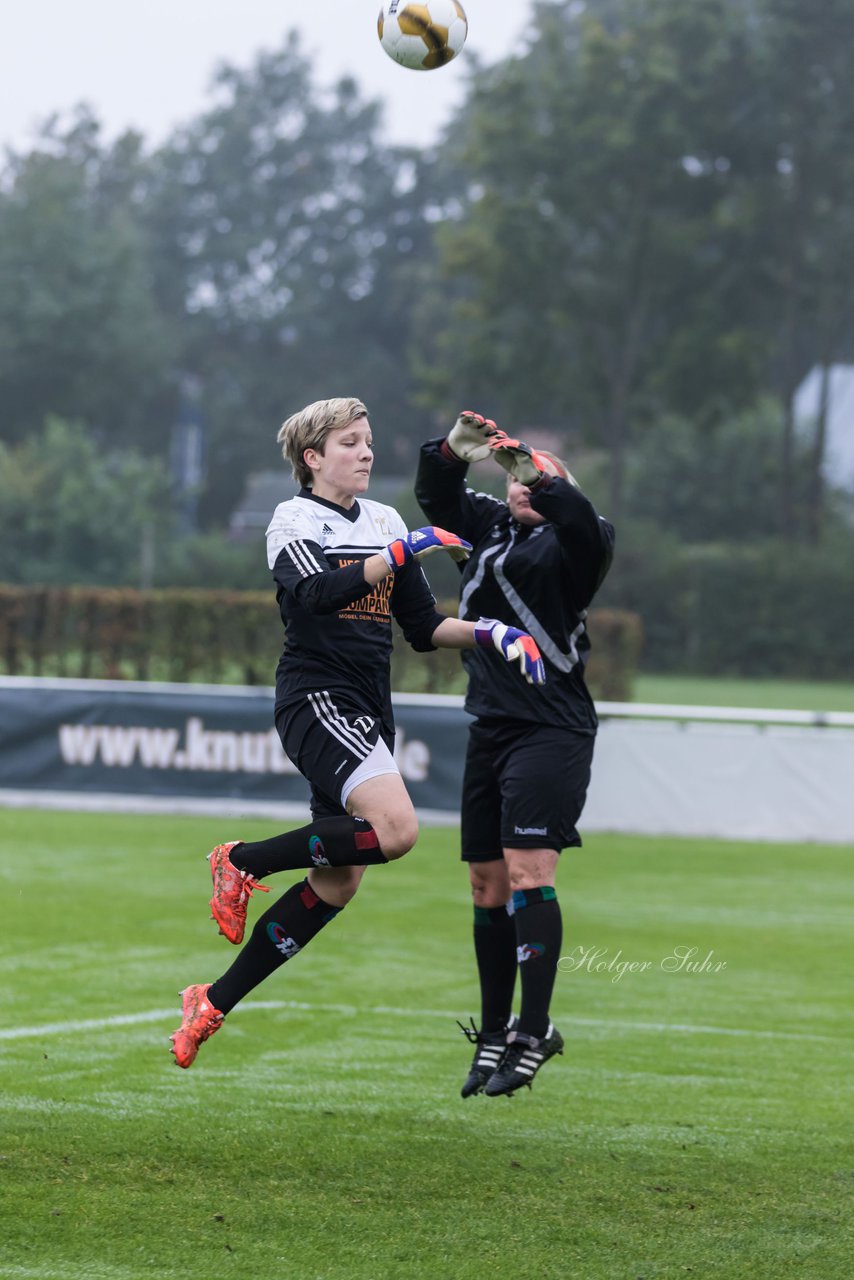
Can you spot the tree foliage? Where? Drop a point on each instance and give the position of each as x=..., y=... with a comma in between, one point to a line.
x=73, y=513
x=81, y=334
x=602, y=259
x=638, y=234
x=807, y=212
x=285, y=220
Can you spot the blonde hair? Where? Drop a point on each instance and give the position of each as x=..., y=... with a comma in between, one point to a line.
x=309, y=428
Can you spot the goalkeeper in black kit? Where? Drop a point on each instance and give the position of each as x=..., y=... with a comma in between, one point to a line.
x=343, y=566
x=538, y=559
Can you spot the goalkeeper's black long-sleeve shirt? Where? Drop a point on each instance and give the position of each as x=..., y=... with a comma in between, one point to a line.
x=338, y=633
x=540, y=579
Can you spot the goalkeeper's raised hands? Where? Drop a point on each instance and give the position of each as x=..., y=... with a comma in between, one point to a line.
x=470, y=436
x=513, y=645
x=517, y=458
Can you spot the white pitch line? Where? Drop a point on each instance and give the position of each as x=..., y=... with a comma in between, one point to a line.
x=351, y=1010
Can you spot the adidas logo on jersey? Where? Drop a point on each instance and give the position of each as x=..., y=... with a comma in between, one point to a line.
x=326, y=529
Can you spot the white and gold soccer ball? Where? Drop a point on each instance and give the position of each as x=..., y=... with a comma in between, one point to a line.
x=422, y=36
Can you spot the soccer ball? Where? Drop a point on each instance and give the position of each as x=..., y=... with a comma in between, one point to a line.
x=422, y=36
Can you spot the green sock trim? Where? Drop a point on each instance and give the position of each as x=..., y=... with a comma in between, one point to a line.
x=491, y=915
x=528, y=897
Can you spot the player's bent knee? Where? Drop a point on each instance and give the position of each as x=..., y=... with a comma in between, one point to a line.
x=490, y=885
x=488, y=896
x=348, y=883
x=397, y=838
x=531, y=868
x=336, y=885
x=384, y=802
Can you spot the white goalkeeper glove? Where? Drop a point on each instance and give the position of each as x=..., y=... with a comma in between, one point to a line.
x=513, y=645
x=518, y=459
x=525, y=464
x=470, y=436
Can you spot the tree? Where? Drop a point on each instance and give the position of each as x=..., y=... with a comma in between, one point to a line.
x=808, y=211
x=595, y=253
x=80, y=331
x=75, y=514
x=712, y=485
x=281, y=218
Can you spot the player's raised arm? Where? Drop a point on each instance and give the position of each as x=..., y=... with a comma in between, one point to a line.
x=440, y=484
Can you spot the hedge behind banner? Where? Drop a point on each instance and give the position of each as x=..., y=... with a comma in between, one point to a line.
x=755, y=611
x=228, y=637
x=121, y=634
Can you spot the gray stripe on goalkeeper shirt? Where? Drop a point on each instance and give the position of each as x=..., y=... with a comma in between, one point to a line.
x=563, y=661
x=475, y=580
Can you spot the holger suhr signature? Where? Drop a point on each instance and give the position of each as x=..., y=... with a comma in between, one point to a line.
x=681, y=959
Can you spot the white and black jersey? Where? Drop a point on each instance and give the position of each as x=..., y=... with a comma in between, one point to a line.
x=540, y=579
x=338, y=634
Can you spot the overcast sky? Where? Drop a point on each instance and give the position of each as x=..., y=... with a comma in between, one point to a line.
x=148, y=66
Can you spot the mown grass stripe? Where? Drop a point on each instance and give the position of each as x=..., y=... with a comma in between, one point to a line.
x=380, y=1011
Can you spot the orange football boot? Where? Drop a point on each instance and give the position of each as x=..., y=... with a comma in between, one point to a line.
x=232, y=890
x=199, y=1021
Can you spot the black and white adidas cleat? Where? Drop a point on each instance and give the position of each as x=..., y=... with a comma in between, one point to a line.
x=488, y=1056
x=522, y=1060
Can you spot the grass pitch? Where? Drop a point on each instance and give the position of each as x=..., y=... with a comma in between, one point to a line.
x=699, y=1123
x=732, y=691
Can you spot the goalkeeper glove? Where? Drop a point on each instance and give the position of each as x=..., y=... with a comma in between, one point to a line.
x=513, y=645
x=518, y=459
x=423, y=542
x=470, y=436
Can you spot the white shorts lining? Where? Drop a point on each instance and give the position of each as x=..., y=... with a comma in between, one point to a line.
x=379, y=761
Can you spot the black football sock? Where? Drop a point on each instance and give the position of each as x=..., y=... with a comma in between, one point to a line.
x=539, y=932
x=288, y=926
x=495, y=950
x=328, y=842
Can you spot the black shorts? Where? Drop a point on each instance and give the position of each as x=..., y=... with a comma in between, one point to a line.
x=524, y=787
x=328, y=736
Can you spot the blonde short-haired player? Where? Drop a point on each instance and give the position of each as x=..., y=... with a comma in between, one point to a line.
x=538, y=558
x=343, y=566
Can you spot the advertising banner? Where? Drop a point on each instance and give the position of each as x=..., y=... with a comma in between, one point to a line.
x=689, y=771
x=71, y=738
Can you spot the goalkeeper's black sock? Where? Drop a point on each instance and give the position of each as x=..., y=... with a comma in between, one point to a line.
x=328, y=842
x=495, y=950
x=288, y=926
x=539, y=932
